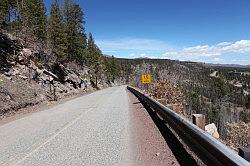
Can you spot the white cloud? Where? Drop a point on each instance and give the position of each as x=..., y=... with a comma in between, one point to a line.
x=222, y=52
x=218, y=59
x=224, y=43
x=138, y=44
x=241, y=47
x=142, y=55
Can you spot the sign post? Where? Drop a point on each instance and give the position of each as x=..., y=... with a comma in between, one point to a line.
x=146, y=79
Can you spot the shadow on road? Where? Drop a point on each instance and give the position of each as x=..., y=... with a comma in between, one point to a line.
x=182, y=156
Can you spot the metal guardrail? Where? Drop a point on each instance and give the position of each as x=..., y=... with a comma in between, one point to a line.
x=204, y=145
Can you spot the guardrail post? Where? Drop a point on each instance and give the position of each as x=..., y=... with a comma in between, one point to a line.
x=245, y=153
x=199, y=120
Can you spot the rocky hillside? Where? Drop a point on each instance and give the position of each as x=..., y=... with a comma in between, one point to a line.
x=26, y=80
x=170, y=95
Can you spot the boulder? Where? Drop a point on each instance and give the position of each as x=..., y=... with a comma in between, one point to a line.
x=50, y=74
x=15, y=72
x=9, y=43
x=72, y=77
x=23, y=77
x=9, y=73
x=212, y=130
x=24, y=56
x=26, y=52
x=12, y=72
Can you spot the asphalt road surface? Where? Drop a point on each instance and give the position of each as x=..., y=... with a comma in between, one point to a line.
x=107, y=127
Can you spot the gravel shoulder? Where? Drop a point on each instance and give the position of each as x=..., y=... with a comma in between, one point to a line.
x=149, y=146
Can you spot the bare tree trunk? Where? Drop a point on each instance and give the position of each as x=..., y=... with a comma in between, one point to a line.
x=29, y=75
x=18, y=10
x=54, y=92
x=96, y=81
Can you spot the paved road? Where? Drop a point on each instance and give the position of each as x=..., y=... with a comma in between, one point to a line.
x=91, y=130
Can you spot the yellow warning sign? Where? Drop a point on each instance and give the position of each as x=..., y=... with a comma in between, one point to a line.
x=146, y=78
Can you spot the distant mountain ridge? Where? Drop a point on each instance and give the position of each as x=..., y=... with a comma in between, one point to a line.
x=228, y=65
x=206, y=64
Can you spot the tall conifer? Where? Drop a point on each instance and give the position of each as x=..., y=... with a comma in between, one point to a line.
x=94, y=58
x=75, y=31
x=33, y=14
x=57, y=34
x=3, y=10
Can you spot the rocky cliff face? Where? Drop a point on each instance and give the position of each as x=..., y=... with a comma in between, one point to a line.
x=24, y=80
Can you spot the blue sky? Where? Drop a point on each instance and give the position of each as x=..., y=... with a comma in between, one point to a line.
x=214, y=31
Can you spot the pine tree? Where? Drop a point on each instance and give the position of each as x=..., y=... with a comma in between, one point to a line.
x=114, y=68
x=41, y=20
x=94, y=58
x=80, y=42
x=34, y=18
x=10, y=12
x=75, y=31
x=111, y=68
x=57, y=34
x=3, y=10
x=247, y=101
